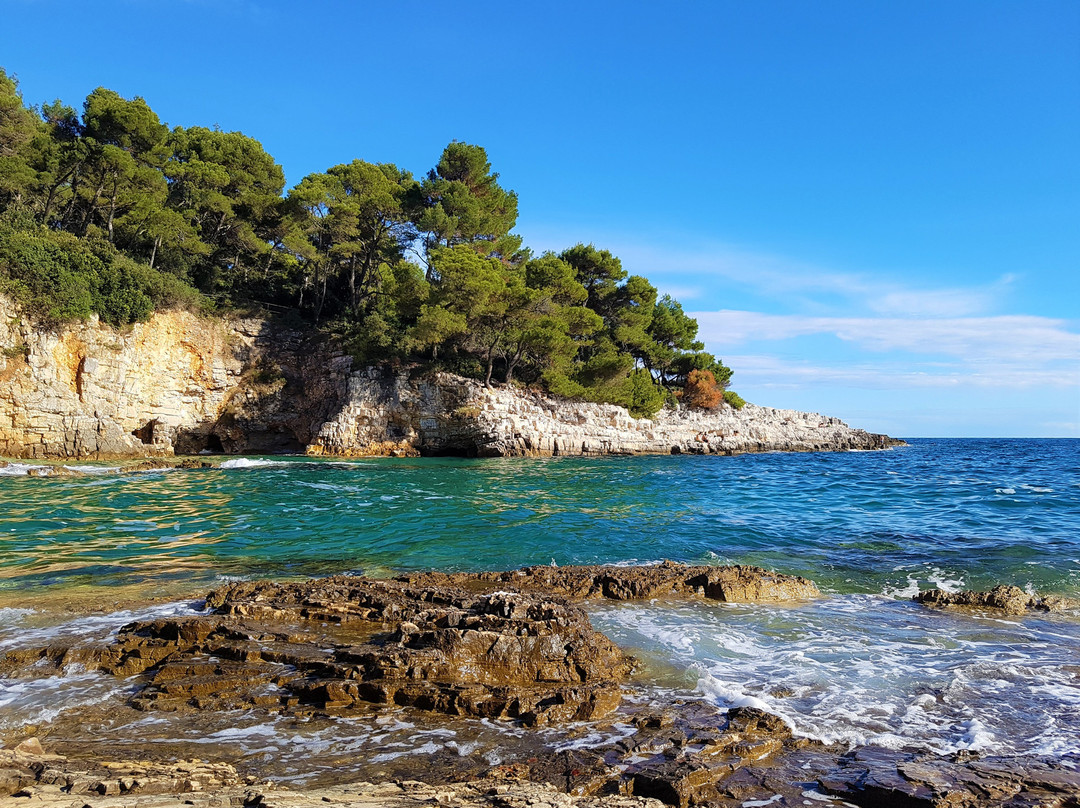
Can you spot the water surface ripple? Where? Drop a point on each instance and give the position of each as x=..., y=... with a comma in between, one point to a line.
x=871, y=528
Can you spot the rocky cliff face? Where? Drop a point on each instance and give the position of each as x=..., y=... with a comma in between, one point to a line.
x=450, y=415
x=181, y=384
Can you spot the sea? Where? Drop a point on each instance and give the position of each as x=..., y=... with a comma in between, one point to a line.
x=82, y=555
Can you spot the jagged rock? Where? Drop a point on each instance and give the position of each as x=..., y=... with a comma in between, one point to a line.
x=450, y=415
x=1009, y=599
x=494, y=655
x=735, y=584
x=872, y=776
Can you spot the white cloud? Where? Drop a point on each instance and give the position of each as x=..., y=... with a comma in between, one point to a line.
x=765, y=371
x=787, y=279
x=1006, y=338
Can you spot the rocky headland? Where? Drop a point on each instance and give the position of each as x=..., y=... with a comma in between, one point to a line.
x=182, y=384
x=514, y=647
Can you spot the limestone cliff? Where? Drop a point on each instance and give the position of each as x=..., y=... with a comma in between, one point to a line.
x=183, y=384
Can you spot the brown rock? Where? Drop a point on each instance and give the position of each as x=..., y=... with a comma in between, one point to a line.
x=872, y=776
x=347, y=643
x=31, y=746
x=738, y=584
x=1009, y=599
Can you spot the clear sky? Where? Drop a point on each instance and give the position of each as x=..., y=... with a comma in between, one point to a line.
x=872, y=208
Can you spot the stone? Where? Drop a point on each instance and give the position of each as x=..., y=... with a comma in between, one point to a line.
x=736, y=584
x=346, y=643
x=876, y=776
x=1008, y=599
x=31, y=746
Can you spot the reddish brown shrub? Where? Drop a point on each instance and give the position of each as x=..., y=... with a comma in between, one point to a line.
x=701, y=391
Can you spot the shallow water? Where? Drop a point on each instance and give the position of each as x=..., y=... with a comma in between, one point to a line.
x=870, y=527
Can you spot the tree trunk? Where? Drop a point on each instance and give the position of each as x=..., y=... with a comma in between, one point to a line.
x=112, y=204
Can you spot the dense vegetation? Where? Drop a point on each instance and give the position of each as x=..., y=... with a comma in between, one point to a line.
x=112, y=212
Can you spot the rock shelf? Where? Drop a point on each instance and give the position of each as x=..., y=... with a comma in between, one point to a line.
x=514, y=646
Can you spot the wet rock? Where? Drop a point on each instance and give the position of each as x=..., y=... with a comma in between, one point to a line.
x=345, y=643
x=57, y=780
x=683, y=759
x=872, y=776
x=31, y=746
x=734, y=584
x=1009, y=599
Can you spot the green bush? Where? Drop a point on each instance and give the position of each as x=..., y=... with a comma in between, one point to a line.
x=644, y=397
x=60, y=278
x=734, y=399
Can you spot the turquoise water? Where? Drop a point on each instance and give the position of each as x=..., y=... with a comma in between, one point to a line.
x=865, y=665
x=974, y=513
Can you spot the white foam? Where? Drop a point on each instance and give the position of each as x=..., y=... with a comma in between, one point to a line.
x=867, y=669
x=727, y=696
x=1037, y=489
x=1004, y=490
x=19, y=469
x=938, y=578
x=775, y=798
x=429, y=748
x=976, y=737
x=248, y=463
x=92, y=627
x=11, y=615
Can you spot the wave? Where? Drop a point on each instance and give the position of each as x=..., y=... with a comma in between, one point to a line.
x=248, y=463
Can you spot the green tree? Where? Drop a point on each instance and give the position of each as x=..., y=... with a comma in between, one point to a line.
x=18, y=128
x=672, y=333
x=122, y=146
x=463, y=203
x=598, y=271
x=372, y=202
x=228, y=189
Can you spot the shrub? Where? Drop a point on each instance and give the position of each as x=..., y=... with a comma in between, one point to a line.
x=59, y=278
x=645, y=399
x=733, y=399
x=701, y=391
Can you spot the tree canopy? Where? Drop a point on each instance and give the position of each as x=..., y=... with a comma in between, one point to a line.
x=111, y=211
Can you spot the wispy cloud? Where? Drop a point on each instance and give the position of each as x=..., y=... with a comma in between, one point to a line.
x=766, y=371
x=1016, y=338
x=800, y=284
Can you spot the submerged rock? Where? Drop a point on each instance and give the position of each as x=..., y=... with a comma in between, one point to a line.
x=733, y=584
x=1009, y=599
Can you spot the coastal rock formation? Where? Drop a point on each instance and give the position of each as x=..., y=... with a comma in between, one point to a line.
x=1008, y=599
x=341, y=644
x=449, y=415
x=181, y=384
x=38, y=778
x=734, y=584
x=873, y=776
x=53, y=781
x=178, y=384
x=508, y=645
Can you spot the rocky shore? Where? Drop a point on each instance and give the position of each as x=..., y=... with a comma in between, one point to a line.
x=513, y=647
x=181, y=384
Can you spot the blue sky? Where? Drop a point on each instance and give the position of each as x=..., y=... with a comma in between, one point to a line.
x=873, y=209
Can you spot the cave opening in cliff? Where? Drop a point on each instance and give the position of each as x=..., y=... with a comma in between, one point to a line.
x=213, y=444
